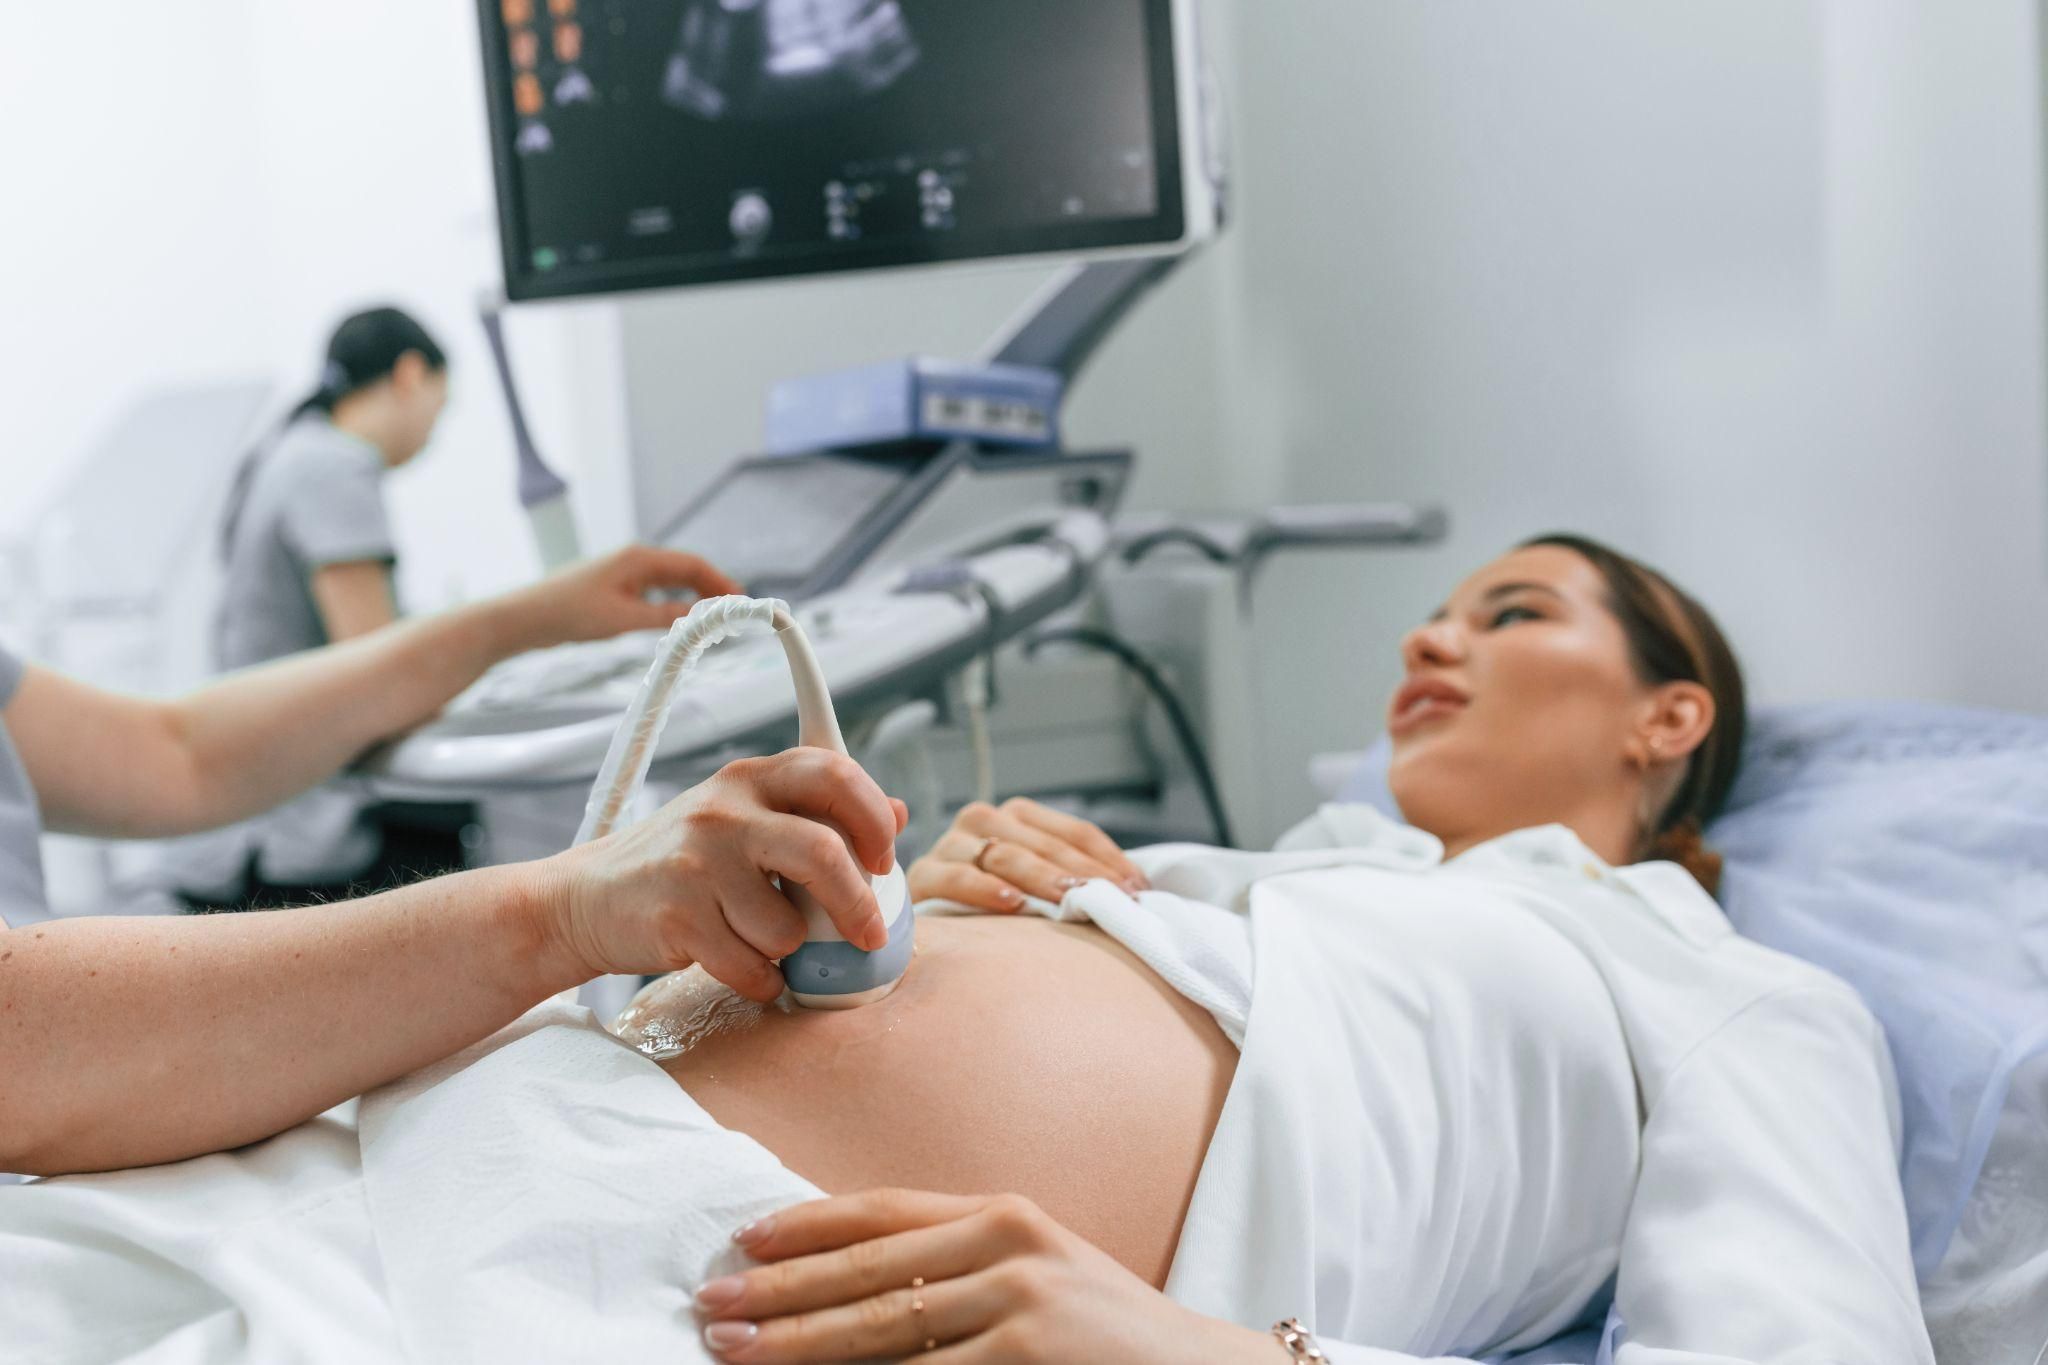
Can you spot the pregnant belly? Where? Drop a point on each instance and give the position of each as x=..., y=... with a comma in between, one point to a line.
x=1018, y=1055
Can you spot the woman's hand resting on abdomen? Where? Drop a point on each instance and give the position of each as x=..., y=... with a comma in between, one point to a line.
x=970, y=1280
x=994, y=856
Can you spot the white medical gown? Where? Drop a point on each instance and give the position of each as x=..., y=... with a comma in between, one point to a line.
x=1392, y=1170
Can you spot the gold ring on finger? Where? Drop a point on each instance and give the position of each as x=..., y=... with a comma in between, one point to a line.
x=981, y=854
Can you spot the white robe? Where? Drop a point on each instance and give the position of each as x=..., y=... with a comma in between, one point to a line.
x=1765, y=1223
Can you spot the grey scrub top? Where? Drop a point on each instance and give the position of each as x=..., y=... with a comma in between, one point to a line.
x=313, y=498
x=22, y=898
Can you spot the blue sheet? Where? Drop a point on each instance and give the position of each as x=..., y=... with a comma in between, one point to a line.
x=1905, y=848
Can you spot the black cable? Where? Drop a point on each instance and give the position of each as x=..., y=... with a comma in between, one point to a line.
x=1169, y=701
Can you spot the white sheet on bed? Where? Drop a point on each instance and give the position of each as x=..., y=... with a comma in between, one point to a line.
x=1987, y=1304
x=257, y=1255
x=547, y=1195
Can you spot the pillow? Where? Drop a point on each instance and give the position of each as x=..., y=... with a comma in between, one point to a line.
x=1903, y=847
x=1367, y=782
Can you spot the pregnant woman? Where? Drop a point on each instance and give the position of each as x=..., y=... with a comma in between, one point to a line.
x=1425, y=1089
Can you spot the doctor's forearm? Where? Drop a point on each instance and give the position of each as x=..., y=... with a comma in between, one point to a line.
x=127, y=1042
x=261, y=736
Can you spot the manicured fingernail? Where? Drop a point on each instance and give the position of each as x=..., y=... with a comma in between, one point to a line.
x=1010, y=896
x=730, y=1336
x=719, y=1293
x=1135, y=887
x=1072, y=883
x=756, y=1232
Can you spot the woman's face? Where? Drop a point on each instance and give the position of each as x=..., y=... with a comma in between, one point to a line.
x=421, y=392
x=1521, y=705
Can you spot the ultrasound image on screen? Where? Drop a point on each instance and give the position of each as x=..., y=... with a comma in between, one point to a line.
x=651, y=142
x=783, y=59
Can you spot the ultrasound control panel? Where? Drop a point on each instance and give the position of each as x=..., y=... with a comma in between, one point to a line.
x=795, y=526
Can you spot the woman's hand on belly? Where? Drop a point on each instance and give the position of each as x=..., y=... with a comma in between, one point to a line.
x=994, y=856
x=971, y=1279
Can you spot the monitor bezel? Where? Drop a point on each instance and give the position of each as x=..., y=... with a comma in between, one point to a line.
x=1167, y=229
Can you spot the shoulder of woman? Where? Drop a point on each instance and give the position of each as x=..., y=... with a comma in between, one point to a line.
x=310, y=453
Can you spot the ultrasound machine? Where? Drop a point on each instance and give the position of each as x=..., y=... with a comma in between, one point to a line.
x=923, y=516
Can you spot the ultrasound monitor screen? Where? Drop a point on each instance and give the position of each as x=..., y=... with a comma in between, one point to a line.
x=651, y=143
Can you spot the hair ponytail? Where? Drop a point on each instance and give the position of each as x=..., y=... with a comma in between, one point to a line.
x=365, y=348
x=1685, y=844
x=335, y=384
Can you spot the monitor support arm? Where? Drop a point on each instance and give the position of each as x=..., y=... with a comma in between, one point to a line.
x=1062, y=326
x=1066, y=322
x=1059, y=329
x=542, y=492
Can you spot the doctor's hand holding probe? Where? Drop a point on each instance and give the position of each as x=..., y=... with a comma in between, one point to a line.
x=134, y=1041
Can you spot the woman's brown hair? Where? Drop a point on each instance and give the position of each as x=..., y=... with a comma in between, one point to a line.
x=1672, y=638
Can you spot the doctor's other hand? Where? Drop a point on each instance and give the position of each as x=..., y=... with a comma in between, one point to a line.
x=695, y=882
x=994, y=856
x=971, y=1279
x=609, y=595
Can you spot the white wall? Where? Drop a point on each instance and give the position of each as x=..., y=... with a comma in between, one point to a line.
x=121, y=266
x=1753, y=289
x=196, y=191
x=236, y=176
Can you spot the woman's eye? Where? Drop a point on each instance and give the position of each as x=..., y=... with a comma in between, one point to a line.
x=1511, y=614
